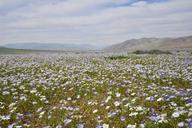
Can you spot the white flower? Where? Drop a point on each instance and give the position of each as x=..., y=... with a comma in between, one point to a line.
x=58, y=126
x=78, y=96
x=139, y=108
x=126, y=105
x=117, y=103
x=178, y=113
x=67, y=121
x=159, y=99
x=95, y=111
x=18, y=127
x=175, y=114
x=132, y=94
x=6, y=93
x=181, y=124
x=173, y=104
x=190, y=113
x=11, y=105
x=133, y=100
x=107, y=107
x=41, y=114
x=105, y=126
x=117, y=94
x=142, y=125
x=33, y=91
x=131, y=126
x=133, y=114
x=6, y=117
x=108, y=98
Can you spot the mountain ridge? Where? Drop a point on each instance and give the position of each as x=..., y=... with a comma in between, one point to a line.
x=50, y=46
x=151, y=43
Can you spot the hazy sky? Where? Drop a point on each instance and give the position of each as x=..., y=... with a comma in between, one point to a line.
x=92, y=21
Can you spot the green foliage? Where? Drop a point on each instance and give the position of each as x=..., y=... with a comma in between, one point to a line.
x=151, y=52
x=119, y=57
x=119, y=91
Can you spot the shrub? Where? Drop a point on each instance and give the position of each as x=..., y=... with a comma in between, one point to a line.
x=151, y=52
x=116, y=57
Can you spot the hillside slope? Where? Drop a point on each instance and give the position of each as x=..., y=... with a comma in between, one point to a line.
x=151, y=43
x=49, y=46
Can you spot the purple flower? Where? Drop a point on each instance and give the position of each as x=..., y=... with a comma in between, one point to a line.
x=29, y=114
x=99, y=126
x=168, y=98
x=189, y=102
x=154, y=118
x=152, y=98
x=67, y=121
x=122, y=118
x=112, y=114
x=81, y=125
x=182, y=93
x=18, y=120
x=190, y=123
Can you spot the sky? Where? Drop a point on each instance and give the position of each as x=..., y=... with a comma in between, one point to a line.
x=98, y=22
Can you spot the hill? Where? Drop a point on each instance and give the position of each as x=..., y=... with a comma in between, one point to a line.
x=50, y=46
x=4, y=50
x=152, y=43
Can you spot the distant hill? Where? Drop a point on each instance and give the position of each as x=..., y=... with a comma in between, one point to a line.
x=50, y=46
x=4, y=50
x=152, y=43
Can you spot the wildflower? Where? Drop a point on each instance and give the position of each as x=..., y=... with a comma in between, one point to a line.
x=6, y=93
x=178, y=113
x=133, y=114
x=142, y=125
x=181, y=124
x=105, y=126
x=107, y=107
x=139, y=108
x=33, y=91
x=29, y=114
x=159, y=99
x=99, y=126
x=131, y=126
x=117, y=94
x=58, y=126
x=190, y=123
x=133, y=94
x=81, y=125
x=112, y=114
x=154, y=118
x=122, y=118
x=67, y=121
x=41, y=114
x=189, y=103
x=151, y=98
x=108, y=98
x=18, y=126
x=78, y=96
x=95, y=111
x=6, y=117
x=116, y=103
x=11, y=126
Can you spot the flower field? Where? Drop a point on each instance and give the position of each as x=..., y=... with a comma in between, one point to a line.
x=95, y=91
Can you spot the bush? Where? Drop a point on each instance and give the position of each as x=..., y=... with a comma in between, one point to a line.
x=116, y=57
x=151, y=52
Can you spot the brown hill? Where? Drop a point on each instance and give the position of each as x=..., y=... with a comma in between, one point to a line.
x=152, y=43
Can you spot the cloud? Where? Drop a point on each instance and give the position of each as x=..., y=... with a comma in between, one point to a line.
x=97, y=22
